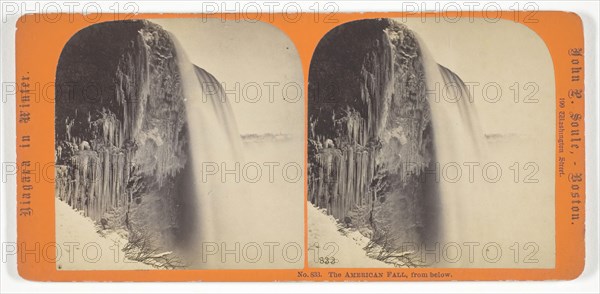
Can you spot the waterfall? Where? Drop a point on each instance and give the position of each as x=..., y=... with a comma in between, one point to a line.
x=459, y=140
x=215, y=143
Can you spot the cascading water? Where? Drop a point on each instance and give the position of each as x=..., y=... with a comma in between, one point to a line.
x=248, y=194
x=459, y=142
x=215, y=144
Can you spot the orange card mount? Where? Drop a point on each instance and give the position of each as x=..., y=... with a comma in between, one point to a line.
x=353, y=147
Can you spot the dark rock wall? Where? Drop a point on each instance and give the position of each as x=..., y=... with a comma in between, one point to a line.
x=121, y=133
x=370, y=134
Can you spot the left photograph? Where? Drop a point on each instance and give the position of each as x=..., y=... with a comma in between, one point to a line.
x=179, y=144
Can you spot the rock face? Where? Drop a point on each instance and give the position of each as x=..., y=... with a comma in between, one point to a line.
x=370, y=133
x=121, y=132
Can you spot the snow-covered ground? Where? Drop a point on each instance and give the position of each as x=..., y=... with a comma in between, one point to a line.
x=326, y=240
x=81, y=246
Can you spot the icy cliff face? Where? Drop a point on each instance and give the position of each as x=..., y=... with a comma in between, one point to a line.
x=121, y=132
x=370, y=132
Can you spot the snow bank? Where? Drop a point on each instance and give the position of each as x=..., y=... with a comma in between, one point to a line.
x=342, y=246
x=82, y=247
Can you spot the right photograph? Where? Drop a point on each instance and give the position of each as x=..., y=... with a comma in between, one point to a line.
x=429, y=145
